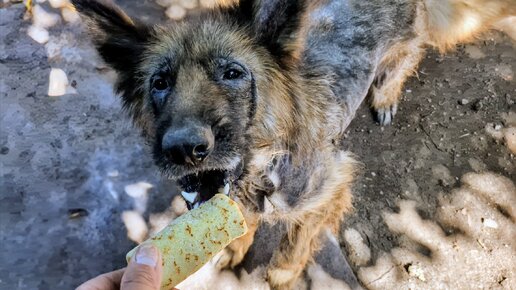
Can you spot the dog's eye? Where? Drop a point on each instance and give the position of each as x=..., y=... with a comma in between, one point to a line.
x=232, y=74
x=160, y=90
x=160, y=84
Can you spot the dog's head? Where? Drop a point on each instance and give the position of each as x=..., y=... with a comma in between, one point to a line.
x=200, y=87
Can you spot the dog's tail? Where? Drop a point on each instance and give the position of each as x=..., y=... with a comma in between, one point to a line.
x=452, y=21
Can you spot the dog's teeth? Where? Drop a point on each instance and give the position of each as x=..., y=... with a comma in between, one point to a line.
x=196, y=205
x=189, y=196
x=267, y=205
x=226, y=189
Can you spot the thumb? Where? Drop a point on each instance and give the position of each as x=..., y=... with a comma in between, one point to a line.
x=144, y=270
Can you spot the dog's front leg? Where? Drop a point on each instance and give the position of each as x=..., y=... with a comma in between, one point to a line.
x=235, y=252
x=295, y=250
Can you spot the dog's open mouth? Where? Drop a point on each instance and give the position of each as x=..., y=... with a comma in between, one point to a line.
x=200, y=187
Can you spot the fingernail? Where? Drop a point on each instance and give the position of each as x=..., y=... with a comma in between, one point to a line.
x=147, y=255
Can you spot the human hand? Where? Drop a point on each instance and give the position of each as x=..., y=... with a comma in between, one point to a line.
x=143, y=273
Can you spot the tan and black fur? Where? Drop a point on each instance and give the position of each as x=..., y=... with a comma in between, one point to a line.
x=303, y=68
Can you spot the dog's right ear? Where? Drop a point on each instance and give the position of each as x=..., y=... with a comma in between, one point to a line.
x=119, y=40
x=276, y=24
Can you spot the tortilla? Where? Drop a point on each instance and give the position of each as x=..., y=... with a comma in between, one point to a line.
x=192, y=239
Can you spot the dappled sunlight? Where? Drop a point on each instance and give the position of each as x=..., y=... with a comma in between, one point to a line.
x=479, y=251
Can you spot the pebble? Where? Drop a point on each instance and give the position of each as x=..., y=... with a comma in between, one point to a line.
x=39, y=34
x=70, y=15
x=113, y=173
x=189, y=4
x=176, y=12
x=139, y=189
x=178, y=205
x=42, y=18
x=58, y=83
x=135, y=224
x=58, y=3
x=490, y=223
x=416, y=271
x=165, y=3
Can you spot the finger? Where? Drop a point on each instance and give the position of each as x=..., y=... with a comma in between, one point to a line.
x=108, y=281
x=144, y=271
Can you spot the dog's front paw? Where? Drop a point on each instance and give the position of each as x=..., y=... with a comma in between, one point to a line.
x=223, y=259
x=228, y=259
x=385, y=115
x=235, y=252
x=282, y=278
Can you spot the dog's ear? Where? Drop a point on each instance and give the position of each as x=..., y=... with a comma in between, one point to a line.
x=119, y=40
x=277, y=24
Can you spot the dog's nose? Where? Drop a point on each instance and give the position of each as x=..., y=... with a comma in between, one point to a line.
x=188, y=145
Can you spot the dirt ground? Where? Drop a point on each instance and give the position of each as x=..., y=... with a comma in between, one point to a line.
x=65, y=162
x=441, y=132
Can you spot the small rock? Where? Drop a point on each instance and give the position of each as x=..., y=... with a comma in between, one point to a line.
x=496, y=134
x=70, y=15
x=416, y=271
x=165, y=3
x=139, y=193
x=39, y=34
x=178, y=205
x=464, y=101
x=75, y=213
x=139, y=189
x=58, y=3
x=135, y=224
x=490, y=223
x=113, y=173
x=42, y=18
x=189, y=4
x=176, y=12
x=58, y=83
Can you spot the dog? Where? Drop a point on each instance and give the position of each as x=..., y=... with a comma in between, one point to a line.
x=252, y=99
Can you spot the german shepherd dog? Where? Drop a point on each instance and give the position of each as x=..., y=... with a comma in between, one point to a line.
x=252, y=98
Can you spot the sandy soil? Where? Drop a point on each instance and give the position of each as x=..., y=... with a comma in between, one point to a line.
x=65, y=163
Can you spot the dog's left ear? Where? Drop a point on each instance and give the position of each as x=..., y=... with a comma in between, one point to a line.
x=119, y=40
x=277, y=24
